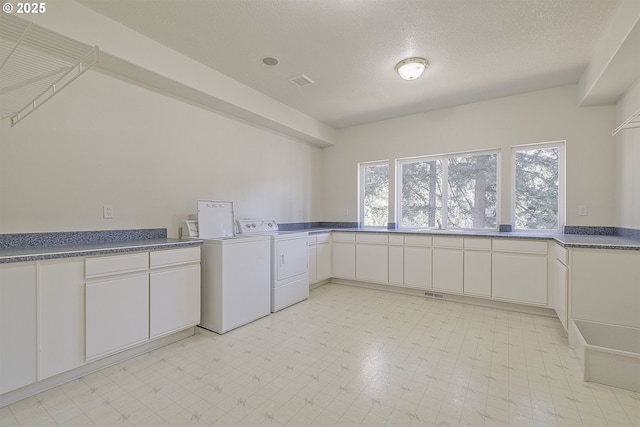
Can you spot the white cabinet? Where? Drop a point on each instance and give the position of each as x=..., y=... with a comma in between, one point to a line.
x=323, y=257
x=313, y=263
x=417, y=261
x=319, y=257
x=17, y=325
x=477, y=267
x=605, y=286
x=344, y=255
x=448, y=264
x=174, y=290
x=57, y=315
x=506, y=269
x=117, y=303
x=558, y=281
x=372, y=257
x=519, y=271
x=61, y=314
x=396, y=259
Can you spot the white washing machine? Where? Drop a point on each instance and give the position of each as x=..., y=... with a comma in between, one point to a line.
x=289, y=261
x=236, y=270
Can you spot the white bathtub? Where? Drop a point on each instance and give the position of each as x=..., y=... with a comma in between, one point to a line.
x=609, y=354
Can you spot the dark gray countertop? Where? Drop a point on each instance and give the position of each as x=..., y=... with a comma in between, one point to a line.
x=36, y=253
x=597, y=242
x=88, y=247
x=21, y=247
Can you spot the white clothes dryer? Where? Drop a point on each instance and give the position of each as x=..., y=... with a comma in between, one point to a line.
x=289, y=261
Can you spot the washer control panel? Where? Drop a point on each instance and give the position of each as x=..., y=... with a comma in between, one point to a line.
x=257, y=225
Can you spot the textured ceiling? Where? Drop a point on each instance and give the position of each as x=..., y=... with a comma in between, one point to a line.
x=477, y=50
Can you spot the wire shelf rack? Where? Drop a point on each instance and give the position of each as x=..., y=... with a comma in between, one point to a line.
x=36, y=64
x=632, y=121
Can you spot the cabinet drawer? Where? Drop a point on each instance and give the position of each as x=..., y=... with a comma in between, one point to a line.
x=525, y=246
x=174, y=256
x=396, y=239
x=448, y=242
x=323, y=238
x=312, y=239
x=381, y=238
x=344, y=237
x=418, y=240
x=477, y=244
x=561, y=253
x=116, y=264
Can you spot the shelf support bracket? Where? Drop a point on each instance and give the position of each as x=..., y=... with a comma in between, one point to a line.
x=632, y=122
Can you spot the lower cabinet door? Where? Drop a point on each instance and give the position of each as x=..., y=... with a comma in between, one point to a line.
x=61, y=316
x=447, y=270
x=519, y=277
x=372, y=263
x=174, y=296
x=323, y=261
x=396, y=265
x=313, y=266
x=344, y=260
x=477, y=273
x=117, y=314
x=417, y=267
x=17, y=325
x=558, y=291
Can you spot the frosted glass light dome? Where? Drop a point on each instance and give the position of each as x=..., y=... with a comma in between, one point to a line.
x=411, y=68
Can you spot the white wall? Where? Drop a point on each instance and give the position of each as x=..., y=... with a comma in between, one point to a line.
x=141, y=59
x=627, y=145
x=104, y=141
x=541, y=116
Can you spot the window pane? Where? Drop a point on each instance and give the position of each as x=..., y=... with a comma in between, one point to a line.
x=376, y=195
x=472, y=197
x=536, y=198
x=421, y=194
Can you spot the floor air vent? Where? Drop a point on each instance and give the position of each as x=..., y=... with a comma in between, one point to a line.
x=434, y=295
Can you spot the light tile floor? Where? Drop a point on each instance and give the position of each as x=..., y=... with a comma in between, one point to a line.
x=348, y=357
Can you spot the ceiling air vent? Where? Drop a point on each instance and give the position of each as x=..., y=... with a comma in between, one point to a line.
x=301, y=80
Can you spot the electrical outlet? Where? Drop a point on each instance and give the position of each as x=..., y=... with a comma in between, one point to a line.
x=582, y=210
x=107, y=211
x=345, y=212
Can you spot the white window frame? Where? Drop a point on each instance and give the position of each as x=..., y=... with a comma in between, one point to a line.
x=445, y=187
x=361, y=168
x=560, y=145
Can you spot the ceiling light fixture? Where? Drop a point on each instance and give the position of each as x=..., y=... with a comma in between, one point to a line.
x=411, y=68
